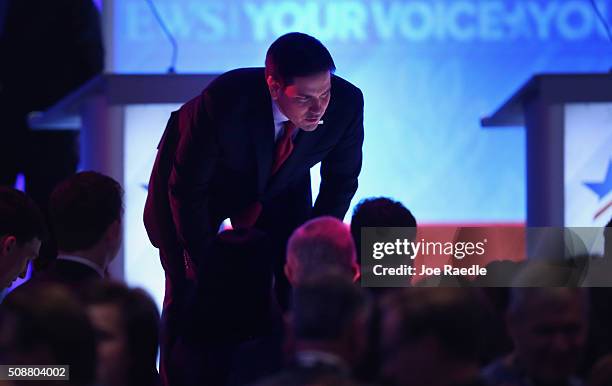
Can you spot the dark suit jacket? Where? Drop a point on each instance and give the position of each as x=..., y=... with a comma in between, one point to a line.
x=215, y=157
x=70, y=273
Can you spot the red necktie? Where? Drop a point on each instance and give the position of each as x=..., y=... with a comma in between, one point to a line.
x=284, y=146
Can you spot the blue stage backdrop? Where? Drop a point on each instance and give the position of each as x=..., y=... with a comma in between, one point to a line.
x=428, y=69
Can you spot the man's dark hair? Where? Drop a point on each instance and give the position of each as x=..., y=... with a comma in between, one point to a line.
x=82, y=208
x=380, y=212
x=297, y=54
x=46, y=319
x=323, y=307
x=20, y=217
x=140, y=319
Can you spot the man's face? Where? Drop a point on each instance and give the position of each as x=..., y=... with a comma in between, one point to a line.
x=14, y=258
x=550, y=340
x=304, y=102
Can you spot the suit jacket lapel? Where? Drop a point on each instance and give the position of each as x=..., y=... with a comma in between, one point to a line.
x=263, y=139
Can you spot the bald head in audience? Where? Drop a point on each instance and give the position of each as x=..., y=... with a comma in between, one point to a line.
x=323, y=244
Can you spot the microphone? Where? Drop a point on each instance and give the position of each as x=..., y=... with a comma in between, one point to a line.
x=164, y=27
x=603, y=21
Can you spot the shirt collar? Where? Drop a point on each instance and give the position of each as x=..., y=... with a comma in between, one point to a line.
x=279, y=117
x=84, y=261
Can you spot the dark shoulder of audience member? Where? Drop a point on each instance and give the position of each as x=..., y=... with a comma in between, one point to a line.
x=45, y=324
x=139, y=324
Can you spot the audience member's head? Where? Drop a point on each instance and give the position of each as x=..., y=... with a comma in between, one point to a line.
x=549, y=328
x=46, y=325
x=126, y=322
x=330, y=314
x=323, y=244
x=22, y=229
x=86, y=213
x=431, y=336
x=381, y=212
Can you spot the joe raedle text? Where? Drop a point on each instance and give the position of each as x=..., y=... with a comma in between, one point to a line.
x=423, y=270
x=395, y=258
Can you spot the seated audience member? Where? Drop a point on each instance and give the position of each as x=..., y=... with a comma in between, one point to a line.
x=380, y=212
x=22, y=229
x=320, y=245
x=232, y=328
x=45, y=325
x=86, y=213
x=548, y=327
x=126, y=322
x=432, y=336
x=329, y=326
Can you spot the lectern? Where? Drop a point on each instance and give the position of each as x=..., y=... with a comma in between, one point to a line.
x=568, y=118
x=121, y=119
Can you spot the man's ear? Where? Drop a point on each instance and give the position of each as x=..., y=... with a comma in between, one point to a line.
x=274, y=87
x=7, y=243
x=356, y=272
x=289, y=273
x=113, y=231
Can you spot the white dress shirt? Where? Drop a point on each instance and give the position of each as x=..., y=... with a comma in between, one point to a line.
x=84, y=261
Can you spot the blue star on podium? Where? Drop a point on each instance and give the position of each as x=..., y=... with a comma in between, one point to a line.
x=604, y=187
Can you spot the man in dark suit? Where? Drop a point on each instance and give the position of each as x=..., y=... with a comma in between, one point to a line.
x=232, y=336
x=243, y=150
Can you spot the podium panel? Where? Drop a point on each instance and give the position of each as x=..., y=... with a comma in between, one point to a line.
x=143, y=128
x=568, y=119
x=588, y=163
